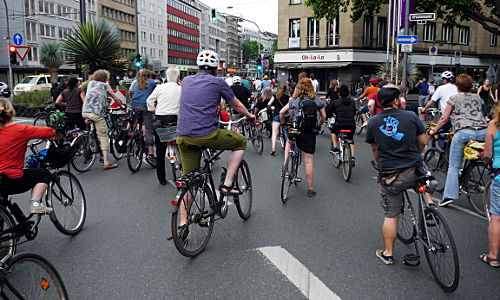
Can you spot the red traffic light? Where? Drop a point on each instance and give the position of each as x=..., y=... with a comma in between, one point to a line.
x=12, y=49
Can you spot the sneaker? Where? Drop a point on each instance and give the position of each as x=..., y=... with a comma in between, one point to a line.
x=311, y=193
x=445, y=201
x=364, y=124
x=334, y=150
x=38, y=208
x=298, y=179
x=388, y=260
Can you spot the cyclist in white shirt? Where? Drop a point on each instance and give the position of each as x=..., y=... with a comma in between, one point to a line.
x=256, y=87
x=443, y=93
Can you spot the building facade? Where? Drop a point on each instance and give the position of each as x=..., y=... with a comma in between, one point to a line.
x=40, y=21
x=213, y=34
x=234, y=55
x=152, y=41
x=122, y=13
x=345, y=50
x=183, y=30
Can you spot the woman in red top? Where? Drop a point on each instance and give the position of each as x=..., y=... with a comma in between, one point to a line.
x=13, y=143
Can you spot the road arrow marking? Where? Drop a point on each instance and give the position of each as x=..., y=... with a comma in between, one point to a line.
x=308, y=284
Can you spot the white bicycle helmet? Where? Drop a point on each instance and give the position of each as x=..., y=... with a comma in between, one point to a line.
x=447, y=75
x=208, y=58
x=236, y=79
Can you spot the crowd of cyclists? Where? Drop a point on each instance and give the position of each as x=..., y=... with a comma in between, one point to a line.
x=397, y=137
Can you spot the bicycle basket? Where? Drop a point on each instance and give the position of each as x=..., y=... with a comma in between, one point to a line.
x=167, y=134
x=59, y=155
x=55, y=119
x=474, y=150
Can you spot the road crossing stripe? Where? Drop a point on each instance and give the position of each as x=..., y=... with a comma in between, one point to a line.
x=308, y=284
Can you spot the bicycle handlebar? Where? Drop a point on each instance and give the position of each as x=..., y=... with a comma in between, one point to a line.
x=232, y=122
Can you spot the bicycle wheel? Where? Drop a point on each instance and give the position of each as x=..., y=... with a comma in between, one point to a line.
x=359, y=123
x=30, y=276
x=39, y=119
x=175, y=162
x=269, y=129
x=258, y=143
x=244, y=182
x=67, y=200
x=486, y=200
x=112, y=148
x=442, y=254
x=282, y=138
x=135, y=153
x=406, y=228
x=475, y=180
x=7, y=241
x=336, y=159
x=287, y=177
x=86, y=153
x=192, y=232
x=437, y=162
x=346, y=162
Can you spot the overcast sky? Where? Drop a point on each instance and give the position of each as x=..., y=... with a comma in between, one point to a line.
x=262, y=12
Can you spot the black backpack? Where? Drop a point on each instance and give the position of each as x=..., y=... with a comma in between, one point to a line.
x=308, y=114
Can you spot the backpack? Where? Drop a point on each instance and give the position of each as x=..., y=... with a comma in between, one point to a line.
x=308, y=114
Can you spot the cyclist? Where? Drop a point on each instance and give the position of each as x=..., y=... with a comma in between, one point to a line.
x=306, y=140
x=141, y=89
x=278, y=103
x=266, y=83
x=241, y=92
x=344, y=110
x=442, y=94
x=165, y=102
x=256, y=87
x=13, y=141
x=94, y=108
x=246, y=83
x=72, y=99
x=397, y=140
x=264, y=99
x=198, y=121
x=369, y=92
x=468, y=121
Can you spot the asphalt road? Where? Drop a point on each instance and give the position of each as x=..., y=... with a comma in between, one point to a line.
x=123, y=252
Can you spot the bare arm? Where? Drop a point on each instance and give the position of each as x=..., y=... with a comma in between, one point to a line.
x=375, y=153
x=283, y=111
x=479, y=90
x=82, y=96
x=371, y=106
x=429, y=104
x=421, y=142
x=59, y=101
x=271, y=101
x=239, y=107
x=444, y=118
x=322, y=113
x=488, y=147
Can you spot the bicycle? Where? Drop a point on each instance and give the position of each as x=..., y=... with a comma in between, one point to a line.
x=43, y=115
x=359, y=117
x=168, y=136
x=344, y=156
x=432, y=231
x=136, y=148
x=436, y=157
x=290, y=170
x=30, y=276
x=197, y=197
x=253, y=131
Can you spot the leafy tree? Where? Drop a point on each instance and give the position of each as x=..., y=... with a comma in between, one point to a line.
x=250, y=50
x=51, y=58
x=485, y=12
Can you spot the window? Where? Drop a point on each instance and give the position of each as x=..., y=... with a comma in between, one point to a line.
x=447, y=33
x=160, y=53
x=429, y=32
x=31, y=32
x=42, y=80
x=29, y=6
x=47, y=31
x=33, y=54
x=294, y=1
x=367, y=32
x=332, y=33
x=493, y=39
x=313, y=32
x=143, y=36
x=381, y=32
x=463, y=35
x=294, y=28
x=63, y=33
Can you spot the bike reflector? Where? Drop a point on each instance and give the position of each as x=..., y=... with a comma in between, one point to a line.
x=180, y=184
x=422, y=189
x=171, y=143
x=345, y=130
x=175, y=202
x=258, y=124
x=45, y=284
x=130, y=134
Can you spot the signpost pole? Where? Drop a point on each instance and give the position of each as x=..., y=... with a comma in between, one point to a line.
x=11, y=78
x=404, y=79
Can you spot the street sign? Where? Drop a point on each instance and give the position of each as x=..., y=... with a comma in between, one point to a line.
x=458, y=53
x=18, y=39
x=406, y=48
x=433, y=50
x=407, y=39
x=422, y=17
x=22, y=51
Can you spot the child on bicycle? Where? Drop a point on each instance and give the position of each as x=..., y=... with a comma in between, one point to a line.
x=344, y=110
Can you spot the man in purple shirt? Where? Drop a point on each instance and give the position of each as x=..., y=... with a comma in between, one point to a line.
x=198, y=120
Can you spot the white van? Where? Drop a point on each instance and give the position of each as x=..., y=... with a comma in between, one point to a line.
x=35, y=83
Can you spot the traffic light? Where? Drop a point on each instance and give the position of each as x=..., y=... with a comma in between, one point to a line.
x=138, y=61
x=213, y=15
x=258, y=64
x=13, y=55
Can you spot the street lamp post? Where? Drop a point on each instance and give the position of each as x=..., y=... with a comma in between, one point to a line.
x=11, y=78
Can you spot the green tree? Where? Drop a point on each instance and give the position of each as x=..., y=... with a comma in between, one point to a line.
x=94, y=46
x=51, y=58
x=250, y=50
x=485, y=12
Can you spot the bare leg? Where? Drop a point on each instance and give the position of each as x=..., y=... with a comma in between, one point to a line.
x=365, y=118
x=274, y=137
x=105, y=156
x=353, y=150
x=233, y=163
x=309, y=160
x=39, y=190
x=287, y=149
x=494, y=236
x=335, y=140
x=151, y=150
x=185, y=204
x=389, y=230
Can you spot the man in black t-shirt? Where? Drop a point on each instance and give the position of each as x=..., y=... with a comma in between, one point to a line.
x=397, y=140
x=240, y=92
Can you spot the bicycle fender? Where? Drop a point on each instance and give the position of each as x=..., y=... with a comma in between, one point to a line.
x=176, y=202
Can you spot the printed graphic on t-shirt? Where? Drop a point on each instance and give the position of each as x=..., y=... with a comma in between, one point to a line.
x=390, y=128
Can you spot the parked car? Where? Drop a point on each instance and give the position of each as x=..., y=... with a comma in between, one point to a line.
x=35, y=83
x=5, y=92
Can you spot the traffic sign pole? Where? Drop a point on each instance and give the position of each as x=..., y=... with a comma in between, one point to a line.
x=11, y=78
x=404, y=78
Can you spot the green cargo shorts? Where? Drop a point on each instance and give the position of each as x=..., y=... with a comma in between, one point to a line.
x=220, y=139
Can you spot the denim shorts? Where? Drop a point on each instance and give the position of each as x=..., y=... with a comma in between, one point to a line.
x=276, y=118
x=495, y=197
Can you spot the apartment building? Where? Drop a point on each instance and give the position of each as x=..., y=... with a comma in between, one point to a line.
x=345, y=50
x=152, y=42
x=122, y=13
x=39, y=21
x=234, y=55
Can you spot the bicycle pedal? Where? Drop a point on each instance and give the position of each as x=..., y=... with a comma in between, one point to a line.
x=203, y=224
x=411, y=260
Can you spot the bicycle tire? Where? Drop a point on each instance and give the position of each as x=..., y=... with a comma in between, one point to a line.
x=180, y=244
x=41, y=116
x=336, y=159
x=85, y=156
x=282, y=139
x=112, y=148
x=475, y=180
x=346, y=162
x=134, y=151
x=285, y=177
x=269, y=129
x=56, y=199
x=406, y=229
x=359, y=124
x=258, y=143
x=8, y=242
x=438, y=245
x=437, y=163
x=176, y=166
x=244, y=177
x=486, y=200
x=30, y=276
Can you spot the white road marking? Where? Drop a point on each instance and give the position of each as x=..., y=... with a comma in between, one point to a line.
x=308, y=284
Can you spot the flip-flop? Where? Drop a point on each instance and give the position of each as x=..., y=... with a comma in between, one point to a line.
x=492, y=262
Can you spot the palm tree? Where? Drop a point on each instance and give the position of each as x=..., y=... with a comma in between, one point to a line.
x=51, y=58
x=93, y=45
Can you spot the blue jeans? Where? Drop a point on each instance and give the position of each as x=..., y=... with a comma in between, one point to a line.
x=460, y=140
x=363, y=110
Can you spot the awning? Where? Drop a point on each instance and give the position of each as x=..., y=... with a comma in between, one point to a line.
x=324, y=65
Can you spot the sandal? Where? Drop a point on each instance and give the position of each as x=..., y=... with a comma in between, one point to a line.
x=229, y=190
x=492, y=262
x=272, y=152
